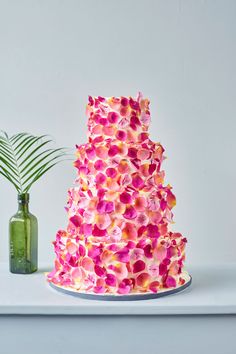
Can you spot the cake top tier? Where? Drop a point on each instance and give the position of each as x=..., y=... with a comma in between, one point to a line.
x=122, y=118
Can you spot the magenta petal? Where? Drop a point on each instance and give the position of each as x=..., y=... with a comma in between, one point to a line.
x=99, y=270
x=123, y=255
x=97, y=232
x=162, y=269
x=101, y=207
x=125, y=198
x=130, y=213
x=138, y=266
x=90, y=153
x=163, y=204
x=147, y=251
x=132, y=152
x=170, y=282
x=82, y=251
x=111, y=280
x=152, y=231
x=99, y=289
x=109, y=208
x=113, y=150
x=87, y=229
x=152, y=168
x=99, y=165
x=123, y=288
x=137, y=181
x=76, y=220
x=100, y=178
x=111, y=172
x=121, y=135
x=113, y=117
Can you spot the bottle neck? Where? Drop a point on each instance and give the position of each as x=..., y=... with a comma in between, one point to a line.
x=23, y=202
x=23, y=207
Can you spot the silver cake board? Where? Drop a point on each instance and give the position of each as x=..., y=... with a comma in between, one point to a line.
x=128, y=297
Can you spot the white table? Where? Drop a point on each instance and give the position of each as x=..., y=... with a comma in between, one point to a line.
x=34, y=318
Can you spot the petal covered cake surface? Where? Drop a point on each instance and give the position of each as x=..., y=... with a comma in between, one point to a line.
x=118, y=239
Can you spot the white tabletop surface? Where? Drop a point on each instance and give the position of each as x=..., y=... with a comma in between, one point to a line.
x=213, y=291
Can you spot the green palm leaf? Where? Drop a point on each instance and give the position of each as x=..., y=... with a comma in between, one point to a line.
x=24, y=159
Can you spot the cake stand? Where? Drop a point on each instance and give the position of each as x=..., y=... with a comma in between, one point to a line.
x=128, y=297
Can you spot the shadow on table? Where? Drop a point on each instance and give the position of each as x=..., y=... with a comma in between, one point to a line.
x=44, y=270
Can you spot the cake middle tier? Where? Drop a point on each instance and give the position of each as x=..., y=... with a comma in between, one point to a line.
x=120, y=192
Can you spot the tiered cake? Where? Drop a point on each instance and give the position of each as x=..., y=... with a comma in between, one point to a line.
x=118, y=240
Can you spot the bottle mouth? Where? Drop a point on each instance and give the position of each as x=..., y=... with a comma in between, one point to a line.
x=23, y=198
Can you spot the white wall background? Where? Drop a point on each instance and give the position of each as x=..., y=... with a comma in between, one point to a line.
x=181, y=54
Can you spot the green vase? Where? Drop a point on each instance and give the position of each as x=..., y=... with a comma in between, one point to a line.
x=23, y=235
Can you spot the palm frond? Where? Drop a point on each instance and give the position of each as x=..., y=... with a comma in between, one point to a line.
x=24, y=159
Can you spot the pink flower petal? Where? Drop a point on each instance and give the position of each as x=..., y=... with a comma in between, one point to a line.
x=142, y=219
x=121, y=135
x=109, y=130
x=82, y=250
x=123, y=288
x=124, y=101
x=113, y=117
x=132, y=152
x=99, y=289
x=152, y=168
x=101, y=207
x=71, y=247
x=87, y=264
x=152, y=231
x=111, y=172
x=120, y=270
x=99, y=165
x=110, y=280
x=143, y=154
x=123, y=255
x=137, y=253
x=140, y=203
x=88, y=216
x=123, y=166
x=115, y=234
x=125, y=198
x=130, y=213
x=100, y=178
x=113, y=150
x=137, y=181
x=99, y=270
x=98, y=232
x=76, y=220
x=109, y=207
x=160, y=253
x=138, y=266
x=90, y=151
x=170, y=282
x=171, y=200
x=162, y=269
x=94, y=251
x=86, y=229
x=143, y=280
x=129, y=232
x=153, y=203
x=103, y=221
x=101, y=152
x=148, y=251
x=154, y=286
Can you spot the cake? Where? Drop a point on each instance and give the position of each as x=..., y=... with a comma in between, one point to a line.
x=118, y=239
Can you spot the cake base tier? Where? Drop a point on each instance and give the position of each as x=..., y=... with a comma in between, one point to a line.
x=127, y=297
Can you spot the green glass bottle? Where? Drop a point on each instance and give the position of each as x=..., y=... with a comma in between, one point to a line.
x=23, y=237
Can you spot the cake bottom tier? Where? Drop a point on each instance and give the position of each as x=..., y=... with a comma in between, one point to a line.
x=128, y=297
